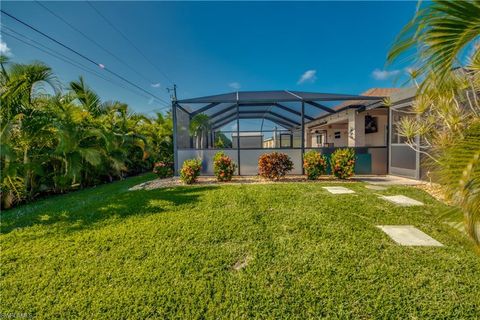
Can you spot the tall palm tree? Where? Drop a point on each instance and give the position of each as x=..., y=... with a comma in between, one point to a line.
x=77, y=142
x=23, y=85
x=444, y=38
x=200, y=125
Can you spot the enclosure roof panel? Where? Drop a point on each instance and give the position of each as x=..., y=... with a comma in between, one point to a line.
x=275, y=96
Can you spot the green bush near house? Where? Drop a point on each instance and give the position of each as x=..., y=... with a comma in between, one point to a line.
x=163, y=169
x=274, y=166
x=190, y=170
x=223, y=167
x=314, y=164
x=342, y=163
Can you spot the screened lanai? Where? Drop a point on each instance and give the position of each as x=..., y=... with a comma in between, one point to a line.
x=247, y=124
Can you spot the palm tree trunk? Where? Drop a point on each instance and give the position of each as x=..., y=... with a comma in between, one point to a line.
x=26, y=173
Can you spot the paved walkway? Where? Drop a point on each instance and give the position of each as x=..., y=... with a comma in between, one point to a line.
x=389, y=180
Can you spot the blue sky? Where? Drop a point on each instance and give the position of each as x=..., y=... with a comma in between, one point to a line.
x=215, y=47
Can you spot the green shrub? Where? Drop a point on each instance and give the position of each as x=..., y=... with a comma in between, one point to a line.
x=342, y=163
x=12, y=191
x=315, y=164
x=163, y=169
x=223, y=167
x=190, y=170
x=274, y=165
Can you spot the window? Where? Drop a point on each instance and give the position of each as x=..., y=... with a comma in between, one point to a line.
x=396, y=120
x=337, y=134
x=319, y=139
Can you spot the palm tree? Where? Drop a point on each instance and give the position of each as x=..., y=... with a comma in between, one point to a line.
x=87, y=97
x=53, y=141
x=447, y=60
x=440, y=33
x=199, y=127
x=23, y=86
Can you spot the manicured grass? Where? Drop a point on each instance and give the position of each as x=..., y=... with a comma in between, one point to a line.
x=112, y=253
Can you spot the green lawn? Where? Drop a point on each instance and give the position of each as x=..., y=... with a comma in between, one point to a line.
x=111, y=253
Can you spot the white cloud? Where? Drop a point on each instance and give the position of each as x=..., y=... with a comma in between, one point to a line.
x=156, y=85
x=4, y=49
x=150, y=101
x=308, y=76
x=234, y=85
x=384, y=74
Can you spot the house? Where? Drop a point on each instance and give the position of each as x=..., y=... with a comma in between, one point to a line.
x=302, y=121
x=353, y=124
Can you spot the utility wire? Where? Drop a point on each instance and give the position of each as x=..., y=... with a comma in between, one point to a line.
x=83, y=56
x=94, y=42
x=129, y=41
x=68, y=60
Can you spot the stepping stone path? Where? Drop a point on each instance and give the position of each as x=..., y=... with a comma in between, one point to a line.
x=374, y=187
x=402, y=201
x=338, y=190
x=409, y=236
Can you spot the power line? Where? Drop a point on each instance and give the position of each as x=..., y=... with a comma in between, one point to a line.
x=94, y=41
x=68, y=60
x=129, y=41
x=83, y=56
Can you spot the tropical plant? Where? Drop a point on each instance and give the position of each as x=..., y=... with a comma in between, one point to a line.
x=199, y=127
x=274, y=166
x=223, y=167
x=440, y=32
x=54, y=141
x=222, y=141
x=190, y=170
x=442, y=44
x=342, y=162
x=314, y=164
x=163, y=169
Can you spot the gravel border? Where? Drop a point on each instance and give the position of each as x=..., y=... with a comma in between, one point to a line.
x=211, y=180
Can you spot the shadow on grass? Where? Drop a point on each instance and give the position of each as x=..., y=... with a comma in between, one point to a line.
x=75, y=212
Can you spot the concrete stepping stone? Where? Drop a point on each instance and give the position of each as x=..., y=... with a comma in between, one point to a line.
x=402, y=201
x=375, y=187
x=409, y=236
x=338, y=190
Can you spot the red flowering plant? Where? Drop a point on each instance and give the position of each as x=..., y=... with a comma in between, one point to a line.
x=315, y=164
x=342, y=162
x=163, y=169
x=274, y=165
x=223, y=167
x=190, y=170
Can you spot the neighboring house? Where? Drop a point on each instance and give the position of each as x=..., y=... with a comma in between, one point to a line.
x=248, y=140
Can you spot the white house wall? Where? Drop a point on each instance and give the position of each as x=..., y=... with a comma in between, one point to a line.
x=351, y=126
